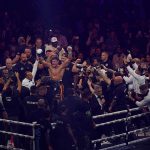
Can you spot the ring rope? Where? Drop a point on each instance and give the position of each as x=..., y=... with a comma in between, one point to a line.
x=122, y=135
x=121, y=120
x=19, y=123
x=17, y=134
x=116, y=113
x=124, y=144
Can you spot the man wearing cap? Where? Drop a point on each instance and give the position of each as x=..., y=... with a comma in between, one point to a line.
x=56, y=47
x=49, y=51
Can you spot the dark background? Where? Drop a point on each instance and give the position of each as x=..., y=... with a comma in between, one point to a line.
x=67, y=12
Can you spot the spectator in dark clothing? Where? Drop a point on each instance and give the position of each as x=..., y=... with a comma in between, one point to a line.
x=23, y=66
x=83, y=122
x=30, y=57
x=8, y=70
x=97, y=100
x=38, y=45
x=63, y=135
x=21, y=45
x=67, y=79
x=11, y=103
x=30, y=103
x=38, y=114
x=46, y=132
x=105, y=60
x=119, y=95
x=72, y=102
x=44, y=93
x=4, y=74
x=119, y=102
x=10, y=97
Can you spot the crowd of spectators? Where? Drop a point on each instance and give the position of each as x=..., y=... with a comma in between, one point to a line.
x=48, y=75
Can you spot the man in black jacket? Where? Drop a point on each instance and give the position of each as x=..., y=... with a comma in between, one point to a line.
x=118, y=102
x=119, y=96
x=23, y=66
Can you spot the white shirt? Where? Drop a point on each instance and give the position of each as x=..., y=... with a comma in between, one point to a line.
x=129, y=81
x=135, y=79
x=28, y=83
x=145, y=101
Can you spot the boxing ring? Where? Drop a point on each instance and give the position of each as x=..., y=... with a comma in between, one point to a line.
x=127, y=132
x=129, y=117
x=32, y=138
